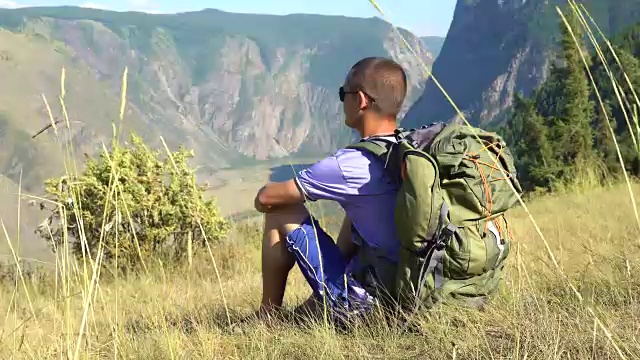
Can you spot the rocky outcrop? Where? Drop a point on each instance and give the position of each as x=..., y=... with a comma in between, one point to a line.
x=433, y=44
x=496, y=48
x=237, y=87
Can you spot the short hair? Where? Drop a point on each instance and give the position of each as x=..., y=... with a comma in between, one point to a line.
x=383, y=79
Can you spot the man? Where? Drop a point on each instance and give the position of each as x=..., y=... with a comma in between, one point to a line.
x=372, y=96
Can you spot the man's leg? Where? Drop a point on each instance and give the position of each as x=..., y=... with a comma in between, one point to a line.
x=292, y=235
x=277, y=260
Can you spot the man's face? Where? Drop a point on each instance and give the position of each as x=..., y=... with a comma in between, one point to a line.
x=352, y=105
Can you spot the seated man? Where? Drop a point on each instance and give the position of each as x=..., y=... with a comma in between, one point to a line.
x=372, y=96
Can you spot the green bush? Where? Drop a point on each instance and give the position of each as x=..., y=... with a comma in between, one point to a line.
x=138, y=205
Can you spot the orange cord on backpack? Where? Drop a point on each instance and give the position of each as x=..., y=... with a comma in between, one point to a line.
x=475, y=158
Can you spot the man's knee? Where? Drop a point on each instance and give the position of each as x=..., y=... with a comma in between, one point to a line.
x=287, y=218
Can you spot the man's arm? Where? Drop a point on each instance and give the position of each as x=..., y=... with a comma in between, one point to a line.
x=323, y=180
x=274, y=195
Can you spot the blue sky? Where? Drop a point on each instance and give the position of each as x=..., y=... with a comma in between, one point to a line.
x=422, y=17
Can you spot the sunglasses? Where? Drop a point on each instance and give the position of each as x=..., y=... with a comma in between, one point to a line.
x=342, y=92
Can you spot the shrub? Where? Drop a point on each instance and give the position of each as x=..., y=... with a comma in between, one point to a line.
x=138, y=205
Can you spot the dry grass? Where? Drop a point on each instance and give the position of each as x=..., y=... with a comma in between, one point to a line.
x=179, y=312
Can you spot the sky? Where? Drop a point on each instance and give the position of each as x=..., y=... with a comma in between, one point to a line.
x=422, y=17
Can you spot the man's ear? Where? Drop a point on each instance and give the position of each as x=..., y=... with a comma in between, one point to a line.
x=364, y=102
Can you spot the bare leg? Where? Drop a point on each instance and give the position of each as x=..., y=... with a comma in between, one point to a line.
x=277, y=261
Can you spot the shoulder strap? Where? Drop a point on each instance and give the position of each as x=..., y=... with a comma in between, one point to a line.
x=376, y=146
x=383, y=149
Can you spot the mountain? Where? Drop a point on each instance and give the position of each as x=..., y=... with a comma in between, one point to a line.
x=433, y=44
x=234, y=87
x=496, y=48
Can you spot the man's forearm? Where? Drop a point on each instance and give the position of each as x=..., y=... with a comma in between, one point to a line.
x=275, y=195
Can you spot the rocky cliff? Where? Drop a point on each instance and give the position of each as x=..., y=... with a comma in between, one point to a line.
x=433, y=44
x=233, y=87
x=495, y=48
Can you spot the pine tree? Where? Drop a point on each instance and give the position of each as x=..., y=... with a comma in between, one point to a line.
x=603, y=142
x=528, y=136
x=560, y=135
x=573, y=132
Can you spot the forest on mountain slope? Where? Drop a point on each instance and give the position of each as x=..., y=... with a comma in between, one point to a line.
x=560, y=135
x=497, y=49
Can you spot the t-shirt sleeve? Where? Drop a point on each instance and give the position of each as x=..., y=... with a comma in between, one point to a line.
x=334, y=178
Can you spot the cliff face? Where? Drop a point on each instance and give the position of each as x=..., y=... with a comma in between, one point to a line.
x=234, y=88
x=496, y=48
x=237, y=87
x=433, y=44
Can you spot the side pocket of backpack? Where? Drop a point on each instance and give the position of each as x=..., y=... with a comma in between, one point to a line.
x=472, y=251
x=417, y=220
x=499, y=242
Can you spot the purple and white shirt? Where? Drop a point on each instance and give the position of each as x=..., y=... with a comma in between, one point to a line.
x=356, y=180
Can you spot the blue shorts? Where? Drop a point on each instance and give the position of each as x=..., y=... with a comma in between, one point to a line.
x=325, y=269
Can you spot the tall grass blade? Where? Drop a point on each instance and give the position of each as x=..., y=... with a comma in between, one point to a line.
x=613, y=52
x=19, y=269
x=325, y=314
x=619, y=92
x=584, y=61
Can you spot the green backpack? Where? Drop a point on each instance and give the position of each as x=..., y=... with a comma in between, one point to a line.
x=449, y=212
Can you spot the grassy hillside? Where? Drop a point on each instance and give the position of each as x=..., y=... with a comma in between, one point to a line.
x=181, y=313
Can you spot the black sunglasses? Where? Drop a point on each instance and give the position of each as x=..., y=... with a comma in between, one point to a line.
x=342, y=92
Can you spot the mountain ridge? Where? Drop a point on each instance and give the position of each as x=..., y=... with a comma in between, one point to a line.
x=193, y=44
x=238, y=89
x=495, y=49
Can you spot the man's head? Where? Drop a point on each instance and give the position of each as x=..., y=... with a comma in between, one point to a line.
x=373, y=90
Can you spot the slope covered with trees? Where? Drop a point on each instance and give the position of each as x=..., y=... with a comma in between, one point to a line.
x=561, y=134
x=497, y=49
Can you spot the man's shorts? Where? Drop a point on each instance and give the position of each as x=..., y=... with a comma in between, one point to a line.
x=325, y=269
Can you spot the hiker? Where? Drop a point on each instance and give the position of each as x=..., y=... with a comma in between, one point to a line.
x=425, y=210
x=372, y=94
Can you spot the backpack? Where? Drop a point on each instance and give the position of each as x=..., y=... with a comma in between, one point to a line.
x=450, y=210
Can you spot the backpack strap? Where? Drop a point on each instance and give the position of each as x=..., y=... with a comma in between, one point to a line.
x=437, y=251
x=383, y=149
x=376, y=146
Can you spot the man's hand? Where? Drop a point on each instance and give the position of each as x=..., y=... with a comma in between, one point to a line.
x=259, y=206
x=275, y=195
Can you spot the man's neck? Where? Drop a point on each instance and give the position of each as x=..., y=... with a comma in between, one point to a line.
x=379, y=128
